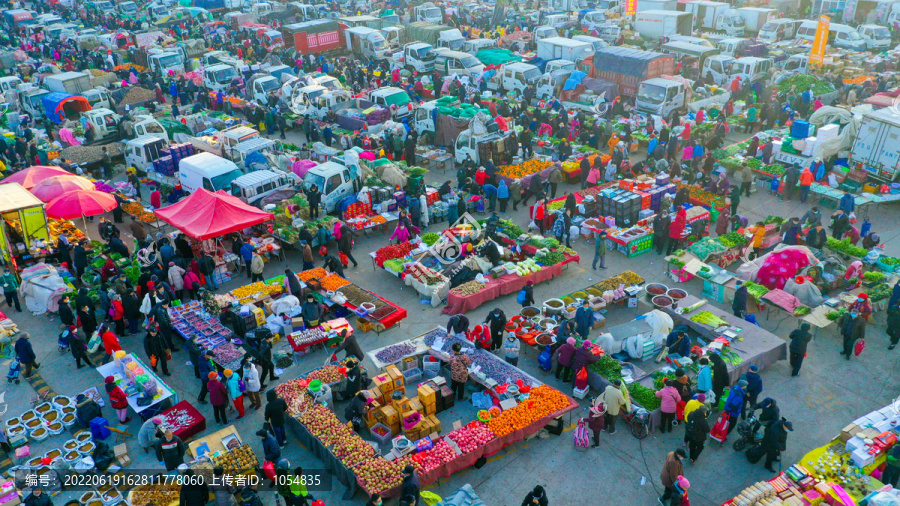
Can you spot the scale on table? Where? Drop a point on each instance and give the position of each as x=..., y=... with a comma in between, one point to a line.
x=633, y=291
x=832, y=302
x=731, y=333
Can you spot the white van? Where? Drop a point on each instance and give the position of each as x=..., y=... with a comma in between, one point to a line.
x=750, y=68
x=219, y=77
x=876, y=37
x=473, y=46
x=839, y=35
x=778, y=29
x=253, y=187
x=206, y=170
x=700, y=41
x=596, y=42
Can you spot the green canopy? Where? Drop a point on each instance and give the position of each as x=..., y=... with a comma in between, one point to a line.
x=496, y=56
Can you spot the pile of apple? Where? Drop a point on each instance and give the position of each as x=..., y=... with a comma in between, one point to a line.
x=437, y=456
x=352, y=450
x=472, y=436
x=336, y=434
x=378, y=475
x=318, y=420
x=328, y=374
x=294, y=394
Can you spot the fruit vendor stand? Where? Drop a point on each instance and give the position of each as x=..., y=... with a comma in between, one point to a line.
x=24, y=223
x=208, y=332
x=184, y=420
x=219, y=444
x=328, y=333
x=750, y=343
x=798, y=484
x=137, y=379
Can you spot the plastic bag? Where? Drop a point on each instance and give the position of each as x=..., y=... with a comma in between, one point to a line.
x=859, y=346
x=269, y=470
x=581, y=379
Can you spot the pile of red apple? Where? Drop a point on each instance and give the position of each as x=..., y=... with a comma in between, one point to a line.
x=378, y=475
x=471, y=436
x=438, y=455
x=328, y=374
x=294, y=394
x=336, y=434
x=353, y=450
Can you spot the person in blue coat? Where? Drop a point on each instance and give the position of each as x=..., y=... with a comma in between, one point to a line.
x=704, y=377
x=584, y=319
x=847, y=203
x=678, y=342
x=271, y=449
x=735, y=402
x=739, y=304
x=754, y=388
x=25, y=353
x=490, y=193
x=247, y=255
x=503, y=195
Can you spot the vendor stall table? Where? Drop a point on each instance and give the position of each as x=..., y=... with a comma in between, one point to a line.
x=386, y=322
x=111, y=369
x=503, y=285
x=421, y=249
x=419, y=348
x=863, y=201
x=185, y=420
x=344, y=475
x=754, y=344
x=215, y=442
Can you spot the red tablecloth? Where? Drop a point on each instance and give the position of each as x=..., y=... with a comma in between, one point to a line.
x=491, y=447
x=506, y=284
x=182, y=410
x=301, y=347
x=389, y=320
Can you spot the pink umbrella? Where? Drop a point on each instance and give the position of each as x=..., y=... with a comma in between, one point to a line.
x=31, y=176
x=80, y=203
x=53, y=187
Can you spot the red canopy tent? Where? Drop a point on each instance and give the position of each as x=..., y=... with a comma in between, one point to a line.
x=205, y=215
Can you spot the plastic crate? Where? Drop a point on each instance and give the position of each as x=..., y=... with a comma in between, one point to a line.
x=431, y=369
x=384, y=440
x=410, y=376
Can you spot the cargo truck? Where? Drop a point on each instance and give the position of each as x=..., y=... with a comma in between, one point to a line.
x=428, y=12
x=716, y=17
x=72, y=83
x=436, y=35
x=316, y=37
x=875, y=146
x=755, y=18
x=559, y=48
x=658, y=24
x=661, y=96
x=366, y=42
x=627, y=67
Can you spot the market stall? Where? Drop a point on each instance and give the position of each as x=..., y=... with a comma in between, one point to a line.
x=139, y=382
x=205, y=215
x=184, y=420
x=24, y=224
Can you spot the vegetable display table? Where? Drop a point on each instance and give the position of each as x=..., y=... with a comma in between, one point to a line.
x=503, y=285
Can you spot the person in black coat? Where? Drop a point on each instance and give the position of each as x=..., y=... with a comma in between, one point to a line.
x=739, y=304
x=170, y=450
x=571, y=204
x=720, y=375
x=83, y=299
x=696, y=431
x=271, y=449
x=64, y=251
x=88, y=321
x=314, y=198
x=354, y=381
x=193, y=493
x=78, y=348
x=80, y=258
x=276, y=408
x=893, y=324
x=410, y=485
x=155, y=345
x=537, y=497
x=132, y=307
x=775, y=441
x=350, y=345
x=496, y=321
x=345, y=243
x=458, y=324
x=529, y=293
x=37, y=497
x=800, y=339
x=816, y=237
x=66, y=315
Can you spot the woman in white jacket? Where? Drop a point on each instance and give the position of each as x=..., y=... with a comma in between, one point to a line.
x=176, y=279
x=251, y=381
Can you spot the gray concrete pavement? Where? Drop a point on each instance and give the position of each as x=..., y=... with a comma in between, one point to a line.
x=829, y=393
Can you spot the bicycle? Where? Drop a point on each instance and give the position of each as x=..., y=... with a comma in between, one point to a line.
x=639, y=421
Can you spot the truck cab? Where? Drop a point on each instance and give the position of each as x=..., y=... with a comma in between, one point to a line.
x=392, y=36
x=424, y=121
x=473, y=46
x=148, y=126
x=334, y=180
x=98, y=98
x=514, y=76
x=156, y=12
x=164, y=61
x=419, y=56
x=595, y=42
x=206, y=170
x=260, y=86
x=607, y=33
x=876, y=37
x=553, y=66
x=366, y=42
x=593, y=19
x=104, y=121
x=609, y=7
x=543, y=32
x=455, y=62
x=253, y=187
x=128, y=9
x=778, y=29
x=660, y=96
x=717, y=68
x=550, y=82
x=750, y=68
x=392, y=98
x=451, y=39
x=142, y=151
x=467, y=142
x=30, y=101
x=428, y=12
x=557, y=21
x=219, y=77
x=797, y=64
x=9, y=86
x=105, y=7
x=731, y=22
x=733, y=47
x=305, y=98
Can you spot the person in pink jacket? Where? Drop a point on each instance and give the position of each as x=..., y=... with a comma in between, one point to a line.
x=669, y=398
x=594, y=176
x=400, y=233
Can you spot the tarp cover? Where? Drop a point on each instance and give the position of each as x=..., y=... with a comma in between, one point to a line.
x=204, y=215
x=42, y=287
x=598, y=86
x=574, y=80
x=54, y=102
x=448, y=129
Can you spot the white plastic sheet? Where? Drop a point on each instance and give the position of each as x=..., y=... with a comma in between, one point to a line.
x=42, y=287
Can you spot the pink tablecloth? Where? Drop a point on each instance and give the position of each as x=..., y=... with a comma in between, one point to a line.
x=504, y=285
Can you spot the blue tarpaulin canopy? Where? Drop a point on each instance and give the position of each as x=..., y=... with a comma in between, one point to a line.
x=574, y=80
x=55, y=102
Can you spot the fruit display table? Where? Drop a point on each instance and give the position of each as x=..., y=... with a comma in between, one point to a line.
x=330, y=462
x=503, y=285
x=219, y=441
x=184, y=419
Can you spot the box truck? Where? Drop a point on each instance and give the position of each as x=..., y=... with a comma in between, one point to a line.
x=559, y=48
x=875, y=146
x=318, y=36
x=716, y=17
x=658, y=24
x=627, y=67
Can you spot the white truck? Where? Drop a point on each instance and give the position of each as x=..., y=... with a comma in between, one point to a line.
x=147, y=126
x=319, y=107
x=657, y=5
x=31, y=103
x=716, y=16
x=876, y=37
x=559, y=48
x=104, y=123
x=776, y=30
x=219, y=77
x=255, y=186
x=206, y=170
x=469, y=140
x=367, y=42
x=448, y=62
x=73, y=83
x=655, y=25
x=428, y=12
x=717, y=68
x=392, y=98
x=755, y=18
x=161, y=61
x=419, y=56
x=543, y=32
x=750, y=68
x=334, y=180
x=593, y=19
x=260, y=85
x=514, y=76
x=661, y=96
x=875, y=146
x=305, y=98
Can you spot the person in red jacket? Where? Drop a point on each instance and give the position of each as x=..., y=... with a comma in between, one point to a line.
x=218, y=397
x=118, y=314
x=117, y=399
x=481, y=176
x=110, y=344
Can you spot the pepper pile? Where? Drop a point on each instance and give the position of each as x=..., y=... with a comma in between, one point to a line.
x=392, y=251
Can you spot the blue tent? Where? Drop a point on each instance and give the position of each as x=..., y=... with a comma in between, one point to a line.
x=54, y=104
x=253, y=158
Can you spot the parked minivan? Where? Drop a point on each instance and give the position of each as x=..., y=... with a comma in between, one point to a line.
x=839, y=35
x=779, y=29
x=876, y=37
x=473, y=46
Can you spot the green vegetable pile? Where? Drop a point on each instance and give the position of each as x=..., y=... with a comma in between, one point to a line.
x=802, y=310
x=880, y=292
x=394, y=265
x=643, y=396
x=678, y=253
x=803, y=82
x=756, y=289
x=551, y=258
x=607, y=367
x=834, y=315
x=733, y=239
x=416, y=171
x=874, y=276
x=889, y=260
x=707, y=318
x=543, y=242
x=511, y=229
x=430, y=238
x=773, y=168
x=754, y=163
x=778, y=220
x=677, y=263
x=845, y=247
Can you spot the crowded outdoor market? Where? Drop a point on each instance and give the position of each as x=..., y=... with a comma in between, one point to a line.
x=446, y=253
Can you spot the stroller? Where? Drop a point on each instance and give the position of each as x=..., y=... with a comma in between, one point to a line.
x=14, y=369
x=63, y=340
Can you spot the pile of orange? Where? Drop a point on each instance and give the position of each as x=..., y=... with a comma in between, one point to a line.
x=317, y=273
x=523, y=169
x=333, y=282
x=543, y=401
x=378, y=219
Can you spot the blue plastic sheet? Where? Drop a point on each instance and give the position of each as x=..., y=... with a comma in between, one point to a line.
x=574, y=80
